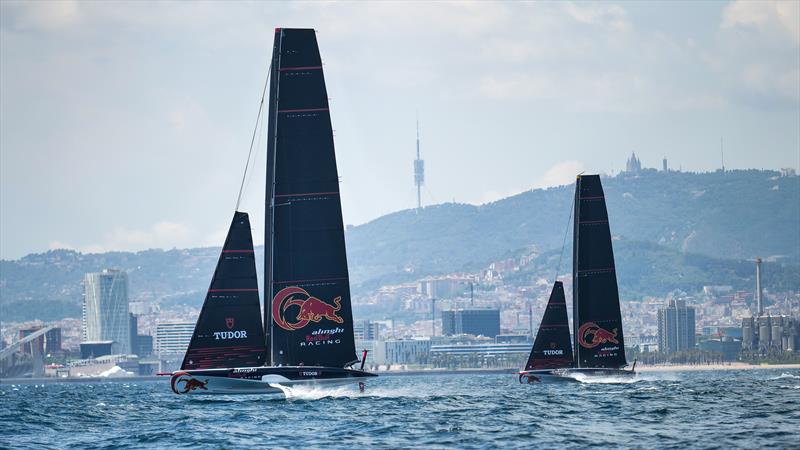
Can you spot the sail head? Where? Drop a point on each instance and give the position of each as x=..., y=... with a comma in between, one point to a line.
x=597, y=322
x=229, y=332
x=307, y=277
x=552, y=348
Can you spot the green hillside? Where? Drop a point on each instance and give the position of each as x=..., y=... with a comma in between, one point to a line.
x=673, y=231
x=731, y=215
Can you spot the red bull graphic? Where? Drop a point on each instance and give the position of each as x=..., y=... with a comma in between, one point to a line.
x=183, y=383
x=590, y=335
x=312, y=309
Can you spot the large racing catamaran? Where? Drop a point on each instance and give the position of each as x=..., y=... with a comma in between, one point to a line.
x=599, y=347
x=306, y=337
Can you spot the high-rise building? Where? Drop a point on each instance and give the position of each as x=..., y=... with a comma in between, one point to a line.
x=143, y=345
x=105, y=309
x=366, y=330
x=173, y=337
x=676, y=327
x=476, y=321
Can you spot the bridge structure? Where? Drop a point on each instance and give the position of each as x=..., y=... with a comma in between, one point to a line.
x=11, y=349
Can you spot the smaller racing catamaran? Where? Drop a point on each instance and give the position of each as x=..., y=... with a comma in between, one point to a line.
x=307, y=336
x=599, y=345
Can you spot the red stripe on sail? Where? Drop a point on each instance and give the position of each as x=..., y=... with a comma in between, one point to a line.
x=300, y=68
x=302, y=110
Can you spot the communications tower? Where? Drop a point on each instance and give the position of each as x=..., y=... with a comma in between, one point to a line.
x=419, y=173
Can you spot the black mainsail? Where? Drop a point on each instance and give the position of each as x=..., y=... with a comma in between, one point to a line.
x=307, y=290
x=552, y=348
x=228, y=332
x=597, y=322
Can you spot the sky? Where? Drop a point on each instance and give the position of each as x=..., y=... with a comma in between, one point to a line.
x=126, y=125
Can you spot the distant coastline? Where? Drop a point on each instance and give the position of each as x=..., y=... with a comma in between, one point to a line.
x=710, y=367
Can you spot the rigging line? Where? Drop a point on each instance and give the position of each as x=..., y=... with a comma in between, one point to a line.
x=564, y=242
x=259, y=141
x=252, y=140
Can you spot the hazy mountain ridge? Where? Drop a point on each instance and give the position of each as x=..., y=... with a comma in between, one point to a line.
x=737, y=215
x=676, y=230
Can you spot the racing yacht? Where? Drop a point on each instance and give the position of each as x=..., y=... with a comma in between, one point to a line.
x=306, y=337
x=599, y=347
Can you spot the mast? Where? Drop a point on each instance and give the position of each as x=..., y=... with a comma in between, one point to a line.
x=270, y=189
x=575, y=243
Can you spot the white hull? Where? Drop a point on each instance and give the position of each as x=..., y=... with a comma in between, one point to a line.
x=210, y=383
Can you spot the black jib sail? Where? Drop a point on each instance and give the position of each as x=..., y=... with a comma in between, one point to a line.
x=229, y=331
x=306, y=264
x=552, y=348
x=597, y=323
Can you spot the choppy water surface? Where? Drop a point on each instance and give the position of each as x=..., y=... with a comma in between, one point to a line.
x=757, y=408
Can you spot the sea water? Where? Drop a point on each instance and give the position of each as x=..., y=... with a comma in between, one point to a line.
x=724, y=409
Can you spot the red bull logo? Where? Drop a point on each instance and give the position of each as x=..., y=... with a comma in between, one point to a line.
x=590, y=335
x=311, y=309
x=183, y=383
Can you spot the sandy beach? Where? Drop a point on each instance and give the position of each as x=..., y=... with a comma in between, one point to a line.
x=703, y=367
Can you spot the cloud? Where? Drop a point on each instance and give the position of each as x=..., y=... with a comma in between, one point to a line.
x=560, y=174
x=779, y=18
x=612, y=17
x=758, y=53
x=163, y=234
x=43, y=15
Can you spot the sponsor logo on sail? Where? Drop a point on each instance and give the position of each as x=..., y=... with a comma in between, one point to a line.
x=311, y=309
x=554, y=350
x=224, y=335
x=229, y=321
x=323, y=337
x=590, y=335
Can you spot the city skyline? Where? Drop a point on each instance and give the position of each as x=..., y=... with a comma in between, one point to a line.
x=126, y=130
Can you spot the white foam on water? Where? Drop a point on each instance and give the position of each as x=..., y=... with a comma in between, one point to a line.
x=314, y=392
x=785, y=375
x=349, y=391
x=594, y=379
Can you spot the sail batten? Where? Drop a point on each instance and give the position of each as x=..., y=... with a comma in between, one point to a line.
x=597, y=321
x=307, y=282
x=229, y=332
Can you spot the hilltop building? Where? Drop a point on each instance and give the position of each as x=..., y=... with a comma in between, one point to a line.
x=443, y=286
x=633, y=165
x=105, y=309
x=676, y=327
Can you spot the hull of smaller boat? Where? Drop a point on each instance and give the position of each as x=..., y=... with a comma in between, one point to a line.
x=262, y=380
x=571, y=374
